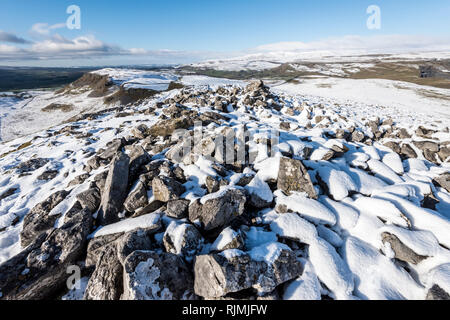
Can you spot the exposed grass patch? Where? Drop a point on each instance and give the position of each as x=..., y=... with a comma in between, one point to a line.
x=58, y=107
x=22, y=146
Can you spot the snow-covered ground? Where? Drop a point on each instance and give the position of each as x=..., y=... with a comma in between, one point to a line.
x=394, y=95
x=275, y=58
x=363, y=194
x=25, y=116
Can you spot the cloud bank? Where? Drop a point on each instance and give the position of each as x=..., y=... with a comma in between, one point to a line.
x=51, y=46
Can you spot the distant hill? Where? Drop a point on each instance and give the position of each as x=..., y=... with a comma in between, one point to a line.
x=22, y=78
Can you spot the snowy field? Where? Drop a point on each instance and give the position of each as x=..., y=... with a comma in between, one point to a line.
x=394, y=95
x=363, y=192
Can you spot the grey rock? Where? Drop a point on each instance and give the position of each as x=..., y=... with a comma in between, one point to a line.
x=139, y=239
x=38, y=219
x=140, y=132
x=221, y=208
x=106, y=281
x=153, y=206
x=46, y=261
x=182, y=239
x=424, y=133
x=408, y=151
x=293, y=176
x=152, y=276
x=138, y=158
x=97, y=245
x=78, y=180
x=437, y=293
x=430, y=155
x=112, y=148
x=178, y=209
x=427, y=145
x=357, y=136
x=443, y=181
x=402, y=252
x=137, y=198
x=394, y=146
x=48, y=175
x=100, y=180
x=403, y=134
x=8, y=193
x=212, y=184
x=166, y=189
x=444, y=153
x=31, y=165
x=216, y=275
x=90, y=199
x=115, y=190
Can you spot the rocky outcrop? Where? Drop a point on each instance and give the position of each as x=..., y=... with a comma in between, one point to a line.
x=137, y=198
x=217, y=275
x=39, y=220
x=152, y=276
x=293, y=176
x=218, y=209
x=115, y=190
x=166, y=189
x=41, y=270
x=401, y=251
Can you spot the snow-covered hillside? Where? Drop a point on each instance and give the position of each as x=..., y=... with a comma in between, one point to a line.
x=226, y=189
x=41, y=110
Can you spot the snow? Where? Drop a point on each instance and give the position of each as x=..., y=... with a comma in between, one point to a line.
x=259, y=188
x=268, y=252
x=382, y=209
x=347, y=217
x=306, y=287
x=77, y=292
x=232, y=253
x=268, y=168
x=308, y=208
x=400, y=95
x=142, y=79
x=384, y=172
x=338, y=182
x=225, y=238
x=199, y=171
x=291, y=225
x=331, y=269
x=330, y=236
x=440, y=276
x=393, y=161
x=365, y=183
x=424, y=219
x=423, y=243
x=146, y=221
x=378, y=278
x=256, y=237
x=342, y=232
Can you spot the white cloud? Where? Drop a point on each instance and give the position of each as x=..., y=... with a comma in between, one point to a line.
x=361, y=45
x=53, y=46
x=7, y=49
x=12, y=38
x=44, y=29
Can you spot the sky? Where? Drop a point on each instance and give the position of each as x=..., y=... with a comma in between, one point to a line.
x=180, y=31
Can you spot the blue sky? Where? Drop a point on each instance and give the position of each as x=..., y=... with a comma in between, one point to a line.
x=218, y=26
